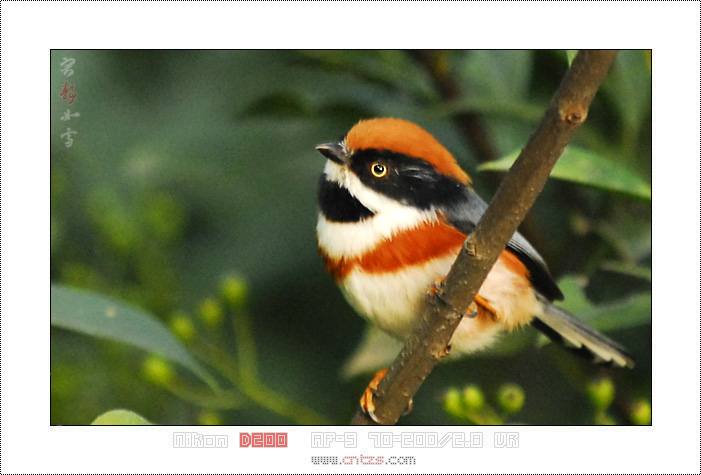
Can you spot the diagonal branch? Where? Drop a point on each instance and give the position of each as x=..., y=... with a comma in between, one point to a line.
x=518, y=191
x=470, y=124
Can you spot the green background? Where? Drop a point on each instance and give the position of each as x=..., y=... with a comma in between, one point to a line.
x=190, y=167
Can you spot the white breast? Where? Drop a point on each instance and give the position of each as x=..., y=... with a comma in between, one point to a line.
x=393, y=301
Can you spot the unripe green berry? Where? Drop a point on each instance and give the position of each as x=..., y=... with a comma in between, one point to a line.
x=234, y=291
x=473, y=397
x=603, y=419
x=207, y=418
x=601, y=393
x=182, y=326
x=453, y=403
x=511, y=397
x=641, y=412
x=211, y=313
x=157, y=370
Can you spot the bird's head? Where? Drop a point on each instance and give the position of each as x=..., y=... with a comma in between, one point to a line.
x=385, y=164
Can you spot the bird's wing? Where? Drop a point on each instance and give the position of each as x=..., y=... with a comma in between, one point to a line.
x=465, y=214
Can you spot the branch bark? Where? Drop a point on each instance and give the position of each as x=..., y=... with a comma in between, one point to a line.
x=470, y=124
x=518, y=191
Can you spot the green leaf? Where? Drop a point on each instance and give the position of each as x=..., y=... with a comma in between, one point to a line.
x=493, y=107
x=627, y=312
x=626, y=268
x=628, y=86
x=493, y=74
x=572, y=287
x=120, y=417
x=587, y=168
x=98, y=316
x=571, y=53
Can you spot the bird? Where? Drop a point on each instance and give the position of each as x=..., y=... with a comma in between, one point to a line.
x=394, y=211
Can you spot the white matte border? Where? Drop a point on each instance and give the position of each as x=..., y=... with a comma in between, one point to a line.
x=30, y=29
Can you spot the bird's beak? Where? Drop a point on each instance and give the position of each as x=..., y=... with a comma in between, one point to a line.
x=334, y=151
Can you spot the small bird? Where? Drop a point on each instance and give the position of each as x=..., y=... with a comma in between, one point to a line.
x=395, y=209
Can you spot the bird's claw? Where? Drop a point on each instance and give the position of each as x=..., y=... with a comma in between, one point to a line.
x=472, y=311
x=436, y=291
x=366, y=400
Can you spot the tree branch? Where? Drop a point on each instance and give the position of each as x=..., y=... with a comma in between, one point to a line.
x=518, y=191
x=470, y=124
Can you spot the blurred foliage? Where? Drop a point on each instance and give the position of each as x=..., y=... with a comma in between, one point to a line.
x=188, y=197
x=587, y=168
x=120, y=417
x=96, y=316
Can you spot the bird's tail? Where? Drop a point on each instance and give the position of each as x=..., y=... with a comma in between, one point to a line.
x=572, y=333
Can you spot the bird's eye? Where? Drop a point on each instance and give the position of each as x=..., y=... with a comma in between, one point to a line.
x=378, y=170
